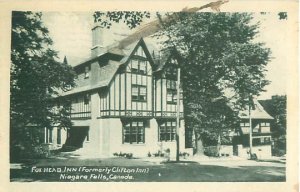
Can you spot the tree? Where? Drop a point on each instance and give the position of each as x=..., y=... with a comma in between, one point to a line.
x=217, y=55
x=35, y=76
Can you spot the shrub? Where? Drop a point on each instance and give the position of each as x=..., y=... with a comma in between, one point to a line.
x=278, y=152
x=116, y=154
x=129, y=155
x=149, y=154
x=41, y=151
x=211, y=151
x=121, y=154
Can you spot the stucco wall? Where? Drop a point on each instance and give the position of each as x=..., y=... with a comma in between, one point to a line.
x=111, y=139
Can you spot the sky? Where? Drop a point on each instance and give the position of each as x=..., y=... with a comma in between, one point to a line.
x=71, y=34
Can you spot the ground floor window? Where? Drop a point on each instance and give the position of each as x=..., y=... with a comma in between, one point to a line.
x=134, y=132
x=167, y=131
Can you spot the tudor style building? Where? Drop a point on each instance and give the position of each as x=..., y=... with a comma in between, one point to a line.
x=125, y=101
x=261, y=133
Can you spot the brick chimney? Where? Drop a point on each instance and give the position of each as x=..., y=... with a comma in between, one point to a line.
x=97, y=40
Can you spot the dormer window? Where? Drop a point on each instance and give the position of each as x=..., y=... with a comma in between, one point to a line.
x=171, y=92
x=86, y=72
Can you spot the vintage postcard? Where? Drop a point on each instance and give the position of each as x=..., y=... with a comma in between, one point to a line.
x=143, y=96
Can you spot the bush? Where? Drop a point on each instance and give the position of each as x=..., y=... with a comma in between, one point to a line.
x=41, y=151
x=121, y=154
x=129, y=155
x=116, y=154
x=19, y=152
x=278, y=152
x=159, y=154
x=211, y=151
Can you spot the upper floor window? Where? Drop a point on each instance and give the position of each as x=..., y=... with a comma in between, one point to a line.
x=245, y=124
x=171, y=92
x=264, y=124
x=86, y=72
x=171, y=71
x=139, y=93
x=138, y=67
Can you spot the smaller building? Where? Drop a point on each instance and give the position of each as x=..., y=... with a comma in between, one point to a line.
x=261, y=133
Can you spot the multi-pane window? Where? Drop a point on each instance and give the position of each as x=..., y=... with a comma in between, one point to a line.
x=245, y=124
x=138, y=66
x=139, y=93
x=171, y=92
x=171, y=71
x=134, y=132
x=167, y=131
x=264, y=124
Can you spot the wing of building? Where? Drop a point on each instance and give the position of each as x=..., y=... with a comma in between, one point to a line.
x=261, y=133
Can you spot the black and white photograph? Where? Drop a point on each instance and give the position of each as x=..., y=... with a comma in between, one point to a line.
x=194, y=95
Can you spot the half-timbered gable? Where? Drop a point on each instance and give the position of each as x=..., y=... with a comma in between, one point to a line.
x=129, y=93
x=165, y=86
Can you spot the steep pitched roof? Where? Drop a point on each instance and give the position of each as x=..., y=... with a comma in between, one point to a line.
x=108, y=71
x=106, y=74
x=257, y=113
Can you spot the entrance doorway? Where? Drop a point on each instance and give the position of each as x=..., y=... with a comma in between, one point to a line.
x=76, y=137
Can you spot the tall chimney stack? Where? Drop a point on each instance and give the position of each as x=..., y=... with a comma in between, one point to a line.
x=97, y=40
